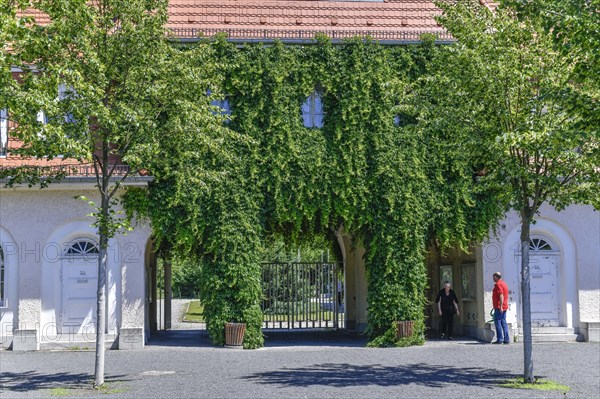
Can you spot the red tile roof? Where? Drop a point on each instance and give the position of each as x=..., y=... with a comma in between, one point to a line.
x=394, y=20
x=302, y=19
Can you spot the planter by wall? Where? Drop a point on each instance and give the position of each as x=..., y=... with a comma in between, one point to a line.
x=234, y=335
x=404, y=329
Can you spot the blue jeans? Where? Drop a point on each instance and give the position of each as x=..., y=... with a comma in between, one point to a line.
x=501, y=326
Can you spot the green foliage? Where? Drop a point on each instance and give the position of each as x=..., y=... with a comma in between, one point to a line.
x=518, y=106
x=224, y=186
x=109, y=85
x=388, y=184
x=518, y=98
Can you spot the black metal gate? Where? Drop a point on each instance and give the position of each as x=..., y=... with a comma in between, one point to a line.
x=299, y=295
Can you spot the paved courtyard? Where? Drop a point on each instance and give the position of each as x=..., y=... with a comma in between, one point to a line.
x=183, y=364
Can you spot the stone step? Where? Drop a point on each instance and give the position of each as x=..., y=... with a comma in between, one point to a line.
x=77, y=342
x=549, y=330
x=548, y=337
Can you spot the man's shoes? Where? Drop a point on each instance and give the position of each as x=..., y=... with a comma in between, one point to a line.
x=497, y=342
x=506, y=342
x=450, y=338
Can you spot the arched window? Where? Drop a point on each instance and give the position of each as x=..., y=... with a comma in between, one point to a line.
x=539, y=244
x=82, y=247
x=312, y=110
x=222, y=105
x=2, y=280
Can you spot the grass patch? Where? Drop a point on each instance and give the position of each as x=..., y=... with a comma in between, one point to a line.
x=194, y=313
x=108, y=389
x=80, y=391
x=79, y=348
x=62, y=392
x=539, y=384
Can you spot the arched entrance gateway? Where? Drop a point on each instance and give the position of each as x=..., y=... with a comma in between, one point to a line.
x=325, y=295
x=554, y=301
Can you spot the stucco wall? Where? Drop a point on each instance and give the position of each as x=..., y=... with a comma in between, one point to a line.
x=40, y=223
x=576, y=232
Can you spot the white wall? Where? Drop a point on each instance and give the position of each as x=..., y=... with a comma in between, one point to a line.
x=38, y=224
x=576, y=232
x=8, y=312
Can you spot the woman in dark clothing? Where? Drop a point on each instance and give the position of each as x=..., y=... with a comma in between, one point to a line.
x=447, y=304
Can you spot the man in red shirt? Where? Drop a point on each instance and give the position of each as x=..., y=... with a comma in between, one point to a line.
x=500, y=302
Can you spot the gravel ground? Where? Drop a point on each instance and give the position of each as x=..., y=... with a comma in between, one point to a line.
x=183, y=364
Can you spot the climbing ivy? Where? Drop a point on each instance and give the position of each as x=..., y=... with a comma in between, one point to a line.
x=369, y=171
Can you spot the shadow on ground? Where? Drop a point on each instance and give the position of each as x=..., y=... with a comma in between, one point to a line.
x=340, y=338
x=273, y=338
x=33, y=381
x=345, y=375
x=181, y=338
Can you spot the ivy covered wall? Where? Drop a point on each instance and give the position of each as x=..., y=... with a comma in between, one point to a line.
x=391, y=185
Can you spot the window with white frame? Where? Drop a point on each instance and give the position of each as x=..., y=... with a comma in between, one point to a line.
x=66, y=93
x=312, y=111
x=3, y=132
x=2, y=280
x=42, y=117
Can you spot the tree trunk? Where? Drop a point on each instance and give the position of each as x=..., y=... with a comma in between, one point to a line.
x=526, y=299
x=103, y=231
x=101, y=308
x=168, y=294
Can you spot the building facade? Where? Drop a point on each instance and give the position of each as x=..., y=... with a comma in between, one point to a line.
x=49, y=253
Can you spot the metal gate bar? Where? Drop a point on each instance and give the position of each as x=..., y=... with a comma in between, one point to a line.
x=301, y=295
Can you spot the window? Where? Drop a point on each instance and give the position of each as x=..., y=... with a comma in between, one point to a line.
x=3, y=132
x=65, y=94
x=42, y=117
x=312, y=111
x=2, y=280
x=468, y=281
x=539, y=244
x=222, y=105
x=445, y=275
x=82, y=247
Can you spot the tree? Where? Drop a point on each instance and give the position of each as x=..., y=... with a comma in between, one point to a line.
x=509, y=99
x=574, y=26
x=117, y=75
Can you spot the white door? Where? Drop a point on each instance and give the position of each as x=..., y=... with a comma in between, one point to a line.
x=544, y=289
x=79, y=286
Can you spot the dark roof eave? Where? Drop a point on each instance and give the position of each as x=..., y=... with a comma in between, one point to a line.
x=313, y=41
x=131, y=181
